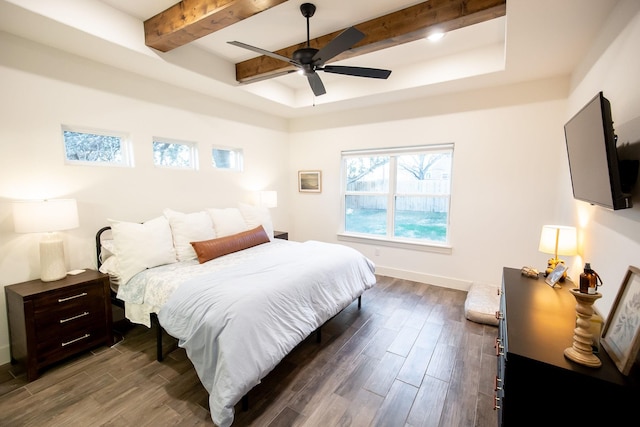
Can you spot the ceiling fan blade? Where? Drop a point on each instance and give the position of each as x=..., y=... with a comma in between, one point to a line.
x=264, y=52
x=316, y=84
x=375, y=73
x=342, y=42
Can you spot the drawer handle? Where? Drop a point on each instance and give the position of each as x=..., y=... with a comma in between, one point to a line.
x=496, y=402
x=85, y=336
x=86, y=313
x=84, y=294
x=497, y=381
x=498, y=315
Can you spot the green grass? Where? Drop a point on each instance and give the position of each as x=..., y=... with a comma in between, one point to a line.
x=409, y=224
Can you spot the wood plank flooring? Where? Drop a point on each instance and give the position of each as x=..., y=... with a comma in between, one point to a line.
x=407, y=358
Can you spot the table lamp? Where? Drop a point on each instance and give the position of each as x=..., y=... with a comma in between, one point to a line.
x=558, y=240
x=268, y=199
x=47, y=216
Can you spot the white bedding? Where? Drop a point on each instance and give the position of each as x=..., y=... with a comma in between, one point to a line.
x=237, y=316
x=148, y=290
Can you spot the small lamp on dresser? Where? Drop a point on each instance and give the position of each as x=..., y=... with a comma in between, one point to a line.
x=49, y=217
x=558, y=240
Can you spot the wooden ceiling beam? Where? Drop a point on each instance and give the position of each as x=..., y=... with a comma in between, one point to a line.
x=403, y=26
x=189, y=20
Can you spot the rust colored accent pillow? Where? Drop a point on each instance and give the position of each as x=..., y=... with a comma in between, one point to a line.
x=207, y=250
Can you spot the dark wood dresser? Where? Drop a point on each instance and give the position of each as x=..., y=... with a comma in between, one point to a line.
x=50, y=321
x=536, y=384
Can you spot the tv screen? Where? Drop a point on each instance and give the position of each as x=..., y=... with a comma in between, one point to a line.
x=593, y=159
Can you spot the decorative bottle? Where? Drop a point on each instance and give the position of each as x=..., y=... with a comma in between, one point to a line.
x=588, y=280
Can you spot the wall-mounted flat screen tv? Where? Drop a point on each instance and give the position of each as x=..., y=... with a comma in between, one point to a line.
x=593, y=159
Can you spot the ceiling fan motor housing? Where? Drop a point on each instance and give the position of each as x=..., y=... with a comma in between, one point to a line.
x=307, y=9
x=305, y=57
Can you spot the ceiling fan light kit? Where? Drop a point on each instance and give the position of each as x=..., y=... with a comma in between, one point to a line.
x=308, y=60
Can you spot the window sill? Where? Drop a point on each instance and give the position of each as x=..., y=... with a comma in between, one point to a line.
x=401, y=244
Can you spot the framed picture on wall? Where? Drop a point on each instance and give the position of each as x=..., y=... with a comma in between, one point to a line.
x=310, y=181
x=621, y=333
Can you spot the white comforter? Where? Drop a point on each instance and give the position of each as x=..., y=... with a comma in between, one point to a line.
x=237, y=323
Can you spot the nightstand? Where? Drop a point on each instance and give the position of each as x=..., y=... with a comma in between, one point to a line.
x=50, y=321
x=281, y=235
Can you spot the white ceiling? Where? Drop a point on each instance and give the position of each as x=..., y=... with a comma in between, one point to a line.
x=536, y=40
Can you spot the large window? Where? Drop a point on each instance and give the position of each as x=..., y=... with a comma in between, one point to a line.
x=174, y=154
x=400, y=194
x=90, y=146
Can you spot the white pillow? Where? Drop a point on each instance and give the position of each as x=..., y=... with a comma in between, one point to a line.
x=107, y=249
x=110, y=267
x=187, y=228
x=255, y=216
x=227, y=221
x=141, y=246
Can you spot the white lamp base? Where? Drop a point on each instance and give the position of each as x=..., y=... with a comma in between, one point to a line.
x=52, y=266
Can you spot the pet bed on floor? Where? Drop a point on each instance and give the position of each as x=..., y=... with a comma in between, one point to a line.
x=483, y=300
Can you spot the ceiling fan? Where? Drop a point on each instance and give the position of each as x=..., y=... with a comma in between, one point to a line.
x=308, y=60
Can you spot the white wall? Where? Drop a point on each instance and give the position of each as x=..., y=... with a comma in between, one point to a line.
x=510, y=173
x=508, y=160
x=611, y=239
x=38, y=96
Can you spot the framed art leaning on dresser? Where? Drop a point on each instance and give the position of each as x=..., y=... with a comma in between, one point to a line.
x=621, y=333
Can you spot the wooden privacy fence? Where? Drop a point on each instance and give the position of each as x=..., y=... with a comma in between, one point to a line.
x=431, y=195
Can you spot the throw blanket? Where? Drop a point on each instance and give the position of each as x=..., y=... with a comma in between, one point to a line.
x=238, y=324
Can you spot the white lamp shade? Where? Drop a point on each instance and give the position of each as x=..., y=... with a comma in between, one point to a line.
x=40, y=216
x=269, y=199
x=558, y=240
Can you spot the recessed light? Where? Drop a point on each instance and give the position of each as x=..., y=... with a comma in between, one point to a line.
x=435, y=36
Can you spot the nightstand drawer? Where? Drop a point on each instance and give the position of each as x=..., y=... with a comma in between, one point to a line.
x=63, y=300
x=69, y=340
x=67, y=321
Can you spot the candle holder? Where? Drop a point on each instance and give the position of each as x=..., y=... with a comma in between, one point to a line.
x=581, y=351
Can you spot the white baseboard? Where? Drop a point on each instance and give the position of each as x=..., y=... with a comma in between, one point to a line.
x=445, y=282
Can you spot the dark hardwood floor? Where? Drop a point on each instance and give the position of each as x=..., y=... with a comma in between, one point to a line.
x=408, y=357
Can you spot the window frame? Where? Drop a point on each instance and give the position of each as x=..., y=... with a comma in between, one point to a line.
x=193, y=148
x=126, y=148
x=238, y=151
x=391, y=194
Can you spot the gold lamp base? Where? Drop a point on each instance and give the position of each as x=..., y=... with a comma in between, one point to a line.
x=581, y=351
x=551, y=265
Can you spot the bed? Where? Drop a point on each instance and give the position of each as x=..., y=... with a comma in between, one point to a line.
x=239, y=302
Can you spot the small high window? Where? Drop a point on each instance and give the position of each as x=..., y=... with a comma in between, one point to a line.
x=90, y=146
x=227, y=158
x=174, y=154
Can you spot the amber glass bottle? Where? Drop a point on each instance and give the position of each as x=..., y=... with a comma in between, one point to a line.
x=588, y=280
